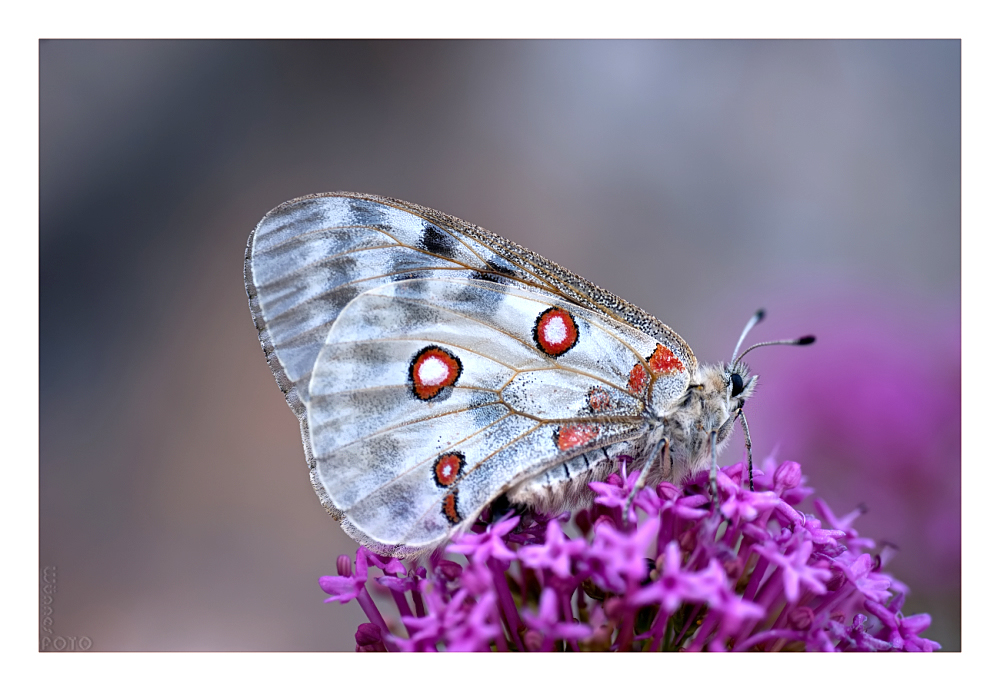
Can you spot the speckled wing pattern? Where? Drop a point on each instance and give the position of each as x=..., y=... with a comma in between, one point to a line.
x=434, y=366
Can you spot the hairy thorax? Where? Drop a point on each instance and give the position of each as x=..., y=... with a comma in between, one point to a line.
x=687, y=428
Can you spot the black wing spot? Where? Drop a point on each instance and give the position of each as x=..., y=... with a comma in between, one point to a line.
x=483, y=276
x=438, y=242
x=497, y=273
x=501, y=269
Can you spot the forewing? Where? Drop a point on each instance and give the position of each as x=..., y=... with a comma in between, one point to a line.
x=405, y=465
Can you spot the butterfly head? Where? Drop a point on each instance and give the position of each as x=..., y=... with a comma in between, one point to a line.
x=713, y=402
x=739, y=384
x=716, y=395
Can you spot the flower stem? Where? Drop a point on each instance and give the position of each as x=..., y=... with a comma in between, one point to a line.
x=626, y=632
x=418, y=603
x=403, y=606
x=507, y=609
x=759, y=638
x=704, y=630
x=660, y=627
x=687, y=624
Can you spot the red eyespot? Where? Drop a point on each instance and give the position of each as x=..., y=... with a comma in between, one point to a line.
x=555, y=331
x=448, y=468
x=431, y=370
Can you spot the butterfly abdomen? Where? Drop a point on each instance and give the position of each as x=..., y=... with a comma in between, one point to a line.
x=565, y=487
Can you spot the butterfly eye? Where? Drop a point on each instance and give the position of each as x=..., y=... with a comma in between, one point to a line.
x=736, y=381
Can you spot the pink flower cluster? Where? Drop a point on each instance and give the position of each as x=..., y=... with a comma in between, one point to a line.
x=756, y=574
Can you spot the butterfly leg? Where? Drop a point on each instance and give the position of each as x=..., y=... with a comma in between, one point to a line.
x=712, y=473
x=641, y=480
x=746, y=433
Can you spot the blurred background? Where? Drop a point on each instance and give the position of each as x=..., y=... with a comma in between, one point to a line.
x=699, y=180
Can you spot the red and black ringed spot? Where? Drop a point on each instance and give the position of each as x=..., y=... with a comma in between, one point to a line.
x=449, y=507
x=555, y=331
x=431, y=370
x=447, y=468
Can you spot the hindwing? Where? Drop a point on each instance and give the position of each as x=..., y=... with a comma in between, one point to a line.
x=424, y=369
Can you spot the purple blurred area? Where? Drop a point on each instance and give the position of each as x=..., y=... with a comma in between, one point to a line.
x=699, y=180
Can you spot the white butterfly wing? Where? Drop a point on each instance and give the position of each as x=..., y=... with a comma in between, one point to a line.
x=348, y=290
x=511, y=413
x=311, y=256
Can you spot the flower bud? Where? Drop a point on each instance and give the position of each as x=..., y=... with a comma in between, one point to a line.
x=533, y=641
x=368, y=634
x=787, y=476
x=667, y=492
x=449, y=570
x=369, y=639
x=801, y=618
x=614, y=607
x=688, y=540
x=604, y=520
x=837, y=579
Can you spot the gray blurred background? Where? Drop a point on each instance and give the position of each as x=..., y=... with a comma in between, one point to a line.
x=698, y=179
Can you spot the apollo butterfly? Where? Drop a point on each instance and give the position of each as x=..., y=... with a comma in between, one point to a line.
x=435, y=366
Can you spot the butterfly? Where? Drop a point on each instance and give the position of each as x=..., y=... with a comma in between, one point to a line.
x=435, y=367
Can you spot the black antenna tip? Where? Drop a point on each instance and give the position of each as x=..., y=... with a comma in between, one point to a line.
x=759, y=314
x=806, y=340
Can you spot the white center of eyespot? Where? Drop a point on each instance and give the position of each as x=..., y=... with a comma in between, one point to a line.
x=432, y=371
x=446, y=471
x=555, y=331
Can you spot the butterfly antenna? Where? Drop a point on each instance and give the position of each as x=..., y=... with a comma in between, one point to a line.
x=754, y=321
x=804, y=340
